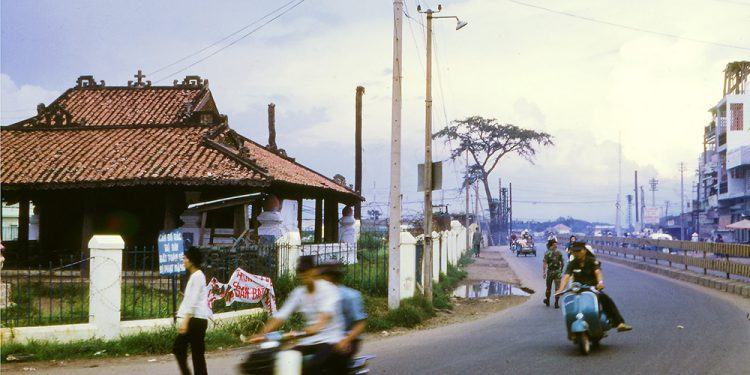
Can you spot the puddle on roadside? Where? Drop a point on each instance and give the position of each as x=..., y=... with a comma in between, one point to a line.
x=489, y=289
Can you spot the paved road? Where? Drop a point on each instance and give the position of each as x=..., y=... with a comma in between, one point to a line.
x=530, y=338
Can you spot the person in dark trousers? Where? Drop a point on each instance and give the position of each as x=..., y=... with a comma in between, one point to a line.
x=352, y=309
x=192, y=316
x=320, y=303
x=476, y=241
x=552, y=267
x=585, y=269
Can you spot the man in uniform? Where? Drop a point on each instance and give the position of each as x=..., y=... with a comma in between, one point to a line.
x=585, y=269
x=476, y=241
x=552, y=268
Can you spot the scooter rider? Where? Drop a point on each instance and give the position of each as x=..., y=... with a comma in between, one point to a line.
x=352, y=308
x=552, y=268
x=319, y=301
x=585, y=269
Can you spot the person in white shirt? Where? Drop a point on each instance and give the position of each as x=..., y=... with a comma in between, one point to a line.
x=319, y=301
x=192, y=316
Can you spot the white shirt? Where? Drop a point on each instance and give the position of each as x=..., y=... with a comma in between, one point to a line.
x=325, y=299
x=195, y=300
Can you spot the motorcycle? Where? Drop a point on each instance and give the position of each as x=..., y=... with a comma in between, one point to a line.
x=585, y=321
x=275, y=356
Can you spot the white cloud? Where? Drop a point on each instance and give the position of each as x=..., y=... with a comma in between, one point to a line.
x=19, y=103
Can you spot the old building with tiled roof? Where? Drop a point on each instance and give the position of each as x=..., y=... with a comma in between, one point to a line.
x=129, y=159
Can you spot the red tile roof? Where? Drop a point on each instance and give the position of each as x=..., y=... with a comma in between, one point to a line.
x=105, y=136
x=127, y=156
x=94, y=106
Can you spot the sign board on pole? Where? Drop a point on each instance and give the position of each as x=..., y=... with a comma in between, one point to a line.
x=437, y=176
x=651, y=215
x=171, y=248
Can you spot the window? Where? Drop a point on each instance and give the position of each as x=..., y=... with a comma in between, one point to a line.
x=736, y=113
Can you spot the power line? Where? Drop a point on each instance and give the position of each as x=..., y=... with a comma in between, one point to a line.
x=232, y=43
x=627, y=27
x=222, y=39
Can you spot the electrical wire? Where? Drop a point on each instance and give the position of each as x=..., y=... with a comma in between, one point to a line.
x=231, y=43
x=627, y=27
x=222, y=39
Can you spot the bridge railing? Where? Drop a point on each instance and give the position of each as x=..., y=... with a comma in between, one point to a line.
x=724, y=258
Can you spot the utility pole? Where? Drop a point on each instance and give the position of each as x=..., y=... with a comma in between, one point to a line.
x=666, y=208
x=476, y=201
x=358, y=150
x=427, y=270
x=643, y=204
x=629, y=197
x=466, y=186
x=618, y=210
x=636, y=202
x=394, y=218
x=653, y=182
x=510, y=208
x=682, y=201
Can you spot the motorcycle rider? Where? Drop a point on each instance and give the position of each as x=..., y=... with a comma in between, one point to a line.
x=319, y=301
x=353, y=310
x=552, y=267
x=585, y=269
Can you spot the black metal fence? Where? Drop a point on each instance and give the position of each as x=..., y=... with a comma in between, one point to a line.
x=58, y=293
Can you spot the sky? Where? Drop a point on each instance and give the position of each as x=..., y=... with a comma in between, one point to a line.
x=643, y=77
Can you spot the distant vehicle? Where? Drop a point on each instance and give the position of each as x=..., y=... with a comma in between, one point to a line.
x=525, y=247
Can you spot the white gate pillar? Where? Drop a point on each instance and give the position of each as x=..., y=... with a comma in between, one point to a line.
x=104, y=289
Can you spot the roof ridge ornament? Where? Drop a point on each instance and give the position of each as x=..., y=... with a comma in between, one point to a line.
x=88, y=80
x=53, y=115
x=191, y=81
x=139, y=83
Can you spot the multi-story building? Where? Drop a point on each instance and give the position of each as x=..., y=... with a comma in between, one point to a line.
x=723, y=194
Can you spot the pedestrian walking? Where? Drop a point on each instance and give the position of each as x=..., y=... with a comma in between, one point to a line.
x=552, y=267
x=477, y=241
x=192, y=317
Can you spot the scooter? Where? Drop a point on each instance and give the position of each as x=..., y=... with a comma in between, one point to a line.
x=274, y=356
x=584, y=319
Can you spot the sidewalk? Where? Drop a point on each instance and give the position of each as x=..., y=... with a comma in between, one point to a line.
x=491, y=265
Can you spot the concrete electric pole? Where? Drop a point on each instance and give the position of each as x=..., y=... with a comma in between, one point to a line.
x=682, y=201
x=394, y=217
x=653, y=183
x=427, y=253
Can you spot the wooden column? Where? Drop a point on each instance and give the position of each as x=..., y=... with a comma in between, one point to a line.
x=241, y=220
x=331, y=217
x=23, y=221
x=299, y=216
x=318, y=220
x=170, y=215
x=358, y=150
x=87, y=224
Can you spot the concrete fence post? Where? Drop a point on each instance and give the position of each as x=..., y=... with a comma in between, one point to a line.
x=104, y=288
x=408, y=266
x=457, y=243
x=451, y=246
x=435, y=257
x=444, y=252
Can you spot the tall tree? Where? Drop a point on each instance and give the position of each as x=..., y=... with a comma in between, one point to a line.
x=487, y=142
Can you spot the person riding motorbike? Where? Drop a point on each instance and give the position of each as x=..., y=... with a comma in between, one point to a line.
x=586, y=270
x=352, y=309
x=319, y=301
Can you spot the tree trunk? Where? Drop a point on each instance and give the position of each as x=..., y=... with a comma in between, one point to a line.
x=494, y=235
